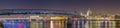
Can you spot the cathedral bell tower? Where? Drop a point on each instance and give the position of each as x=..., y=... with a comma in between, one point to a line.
x=89, y=12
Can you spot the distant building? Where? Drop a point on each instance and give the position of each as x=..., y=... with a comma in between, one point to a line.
x=117, y=16
x=89, y=12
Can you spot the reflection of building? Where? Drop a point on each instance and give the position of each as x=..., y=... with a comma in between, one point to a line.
x=78, y=22
x=1, y=25
x=117, y=17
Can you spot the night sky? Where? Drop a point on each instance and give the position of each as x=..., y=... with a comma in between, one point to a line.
x=97, y=6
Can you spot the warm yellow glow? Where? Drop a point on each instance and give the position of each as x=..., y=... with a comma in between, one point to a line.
x=59, y=17
x=36, y=17
x=51, y=24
